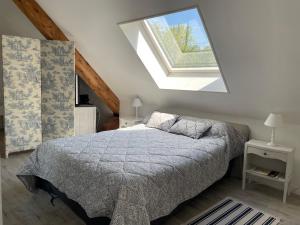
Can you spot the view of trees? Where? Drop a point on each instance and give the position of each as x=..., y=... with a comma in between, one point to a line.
x=180, y=45
x=185, y=38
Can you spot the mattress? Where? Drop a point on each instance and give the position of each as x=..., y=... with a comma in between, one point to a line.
x=133, y=175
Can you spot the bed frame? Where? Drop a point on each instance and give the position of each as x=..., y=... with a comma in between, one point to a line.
x=74, y=206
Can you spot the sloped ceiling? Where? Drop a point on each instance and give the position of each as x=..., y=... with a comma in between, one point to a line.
x=256, y=43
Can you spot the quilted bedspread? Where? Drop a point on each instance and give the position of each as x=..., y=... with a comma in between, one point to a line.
x=132, y=175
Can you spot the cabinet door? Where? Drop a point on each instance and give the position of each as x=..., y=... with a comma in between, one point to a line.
x=58, y=89
x=85, y=120
x=22, y=93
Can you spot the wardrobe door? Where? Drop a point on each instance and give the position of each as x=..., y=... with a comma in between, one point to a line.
x=22, y=93
x=58, y=89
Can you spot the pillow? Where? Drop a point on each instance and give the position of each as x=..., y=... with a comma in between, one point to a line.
x=162, y=121
x=190, y=128
x=218, y=129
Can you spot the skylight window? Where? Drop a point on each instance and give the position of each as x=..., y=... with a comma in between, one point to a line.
x=182, y=40
x=176, y=51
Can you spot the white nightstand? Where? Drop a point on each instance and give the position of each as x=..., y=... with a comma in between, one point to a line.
x=260, y=159
x=129, y=121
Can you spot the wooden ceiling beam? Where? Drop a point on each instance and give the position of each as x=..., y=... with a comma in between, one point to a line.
x=51, y=31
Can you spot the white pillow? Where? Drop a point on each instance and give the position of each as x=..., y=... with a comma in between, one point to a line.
x=162, y=121
x=190, y=128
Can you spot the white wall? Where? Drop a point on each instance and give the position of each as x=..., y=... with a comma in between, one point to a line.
x=254, y=41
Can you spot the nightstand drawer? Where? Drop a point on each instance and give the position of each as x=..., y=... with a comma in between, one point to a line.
x=268, y=154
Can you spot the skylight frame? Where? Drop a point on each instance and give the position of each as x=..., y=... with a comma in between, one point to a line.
x=166, y=80
x=194, y=71
x=164, y=60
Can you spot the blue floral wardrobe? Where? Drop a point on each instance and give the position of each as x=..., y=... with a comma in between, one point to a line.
x=38, y=91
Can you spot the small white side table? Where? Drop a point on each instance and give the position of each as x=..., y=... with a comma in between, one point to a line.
x=268, y=153
x=129, y=121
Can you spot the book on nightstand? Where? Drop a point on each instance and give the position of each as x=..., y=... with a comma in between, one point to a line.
x=267, y=172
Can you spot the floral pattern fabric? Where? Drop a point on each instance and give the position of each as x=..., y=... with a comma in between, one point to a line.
x=38, y=91
x=162, y=121
x=58, y=89
x=194, y=129
x=21, y=92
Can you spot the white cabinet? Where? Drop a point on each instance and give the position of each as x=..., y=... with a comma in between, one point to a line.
x=85, y=120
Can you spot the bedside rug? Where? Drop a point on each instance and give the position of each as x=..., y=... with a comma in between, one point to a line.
x=233, y=212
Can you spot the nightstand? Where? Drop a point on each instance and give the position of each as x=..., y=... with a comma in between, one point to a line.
x=272, y=163
x=129, y=121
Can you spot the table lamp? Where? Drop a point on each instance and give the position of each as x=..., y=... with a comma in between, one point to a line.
x=274, y=120
x=137, y=102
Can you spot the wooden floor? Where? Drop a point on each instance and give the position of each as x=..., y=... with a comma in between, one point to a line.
x=23, y=208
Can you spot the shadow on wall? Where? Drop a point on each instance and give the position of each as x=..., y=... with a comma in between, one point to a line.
x=103, y=112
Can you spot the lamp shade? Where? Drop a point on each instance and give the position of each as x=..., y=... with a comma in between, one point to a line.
x=274, y=120
x=137, y=102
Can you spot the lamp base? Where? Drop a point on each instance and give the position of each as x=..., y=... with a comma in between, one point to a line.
x=272, y=142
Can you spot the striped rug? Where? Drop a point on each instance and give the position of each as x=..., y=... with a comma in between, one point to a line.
x=233, y=212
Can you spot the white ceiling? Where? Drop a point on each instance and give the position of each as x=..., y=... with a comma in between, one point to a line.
x=256, y=42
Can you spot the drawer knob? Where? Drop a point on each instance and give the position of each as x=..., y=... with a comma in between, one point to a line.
x=265, y=153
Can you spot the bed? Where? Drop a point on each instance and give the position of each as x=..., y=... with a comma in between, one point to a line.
x=133, y=175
